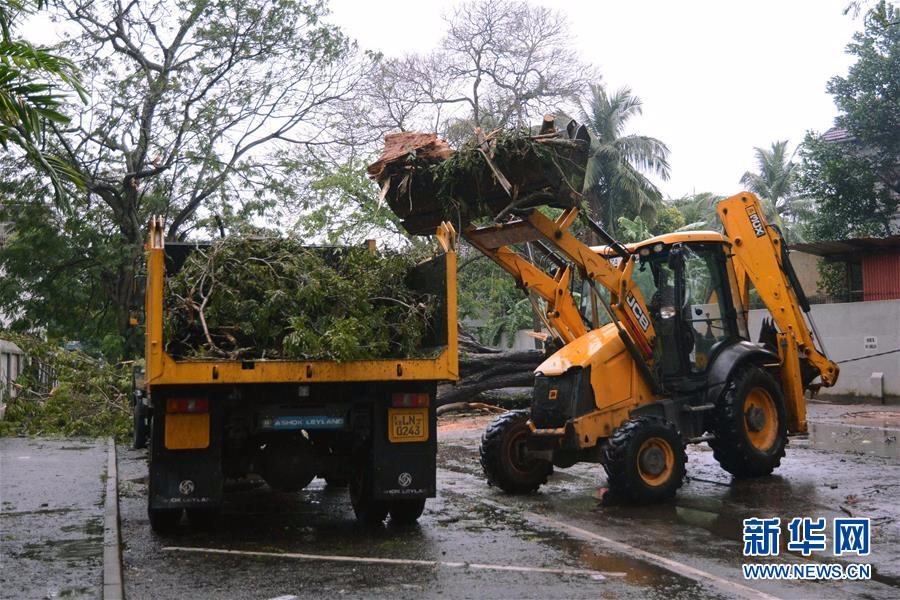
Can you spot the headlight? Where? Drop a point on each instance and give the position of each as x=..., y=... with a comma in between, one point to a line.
x=667, y=312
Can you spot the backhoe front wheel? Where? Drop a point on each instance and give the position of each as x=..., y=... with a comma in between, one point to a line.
x=504, y=457
x=749, y=425
x=645, y=460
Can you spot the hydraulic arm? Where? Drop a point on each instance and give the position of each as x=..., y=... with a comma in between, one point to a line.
x=761, y=258
x=626, y=303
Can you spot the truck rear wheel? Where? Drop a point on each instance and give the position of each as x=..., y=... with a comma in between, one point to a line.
x=202, y=519
x=406, y=512
x=504, y=457
x=749, y=425
x=164, y=520
x=367, y=509
x=141, y=423
x=645, y=460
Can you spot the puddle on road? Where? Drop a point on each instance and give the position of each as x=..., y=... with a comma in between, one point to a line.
x=880, y=439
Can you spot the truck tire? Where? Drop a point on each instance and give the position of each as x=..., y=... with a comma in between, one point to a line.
x=502, y=455
x=367, y=509
x=202, y=519
x=749, y=425
x=406, y=512
x=336, y=482
x=645, y=460
x=141, y=424
x=164, y=520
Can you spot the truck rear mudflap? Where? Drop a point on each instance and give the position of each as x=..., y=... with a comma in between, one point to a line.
x=184, y=478
x=404, y=447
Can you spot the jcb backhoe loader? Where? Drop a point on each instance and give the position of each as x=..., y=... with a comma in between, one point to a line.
x=656, y=354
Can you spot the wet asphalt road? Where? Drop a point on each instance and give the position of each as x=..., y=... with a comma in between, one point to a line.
x=590, y=550
x=51, y=517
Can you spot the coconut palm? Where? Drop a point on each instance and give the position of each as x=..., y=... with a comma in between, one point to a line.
x=615, y=184
x=699, y=211
x=776, y=185
x=30, y=95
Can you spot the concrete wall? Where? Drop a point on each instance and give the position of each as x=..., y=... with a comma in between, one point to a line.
x=807, y=268
x=846, y=329
x=521, y=341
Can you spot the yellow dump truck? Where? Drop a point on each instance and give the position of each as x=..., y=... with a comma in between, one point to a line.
x=367, y=424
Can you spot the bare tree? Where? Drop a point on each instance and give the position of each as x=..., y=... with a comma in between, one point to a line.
x=500, y=64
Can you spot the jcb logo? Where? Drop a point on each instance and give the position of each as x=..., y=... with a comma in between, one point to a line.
x=756, y=222
x=638, y=311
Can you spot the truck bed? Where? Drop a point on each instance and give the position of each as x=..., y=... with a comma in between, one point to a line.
x=437, y=276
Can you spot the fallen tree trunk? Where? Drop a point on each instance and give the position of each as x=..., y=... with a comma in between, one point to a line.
x=482, y=369
x=465, y=406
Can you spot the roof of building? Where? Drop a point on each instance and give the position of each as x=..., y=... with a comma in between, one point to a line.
x=851, y=247
x=836, y=134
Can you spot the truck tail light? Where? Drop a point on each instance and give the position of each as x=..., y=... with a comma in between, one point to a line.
x=409, y=400
x=187, y=405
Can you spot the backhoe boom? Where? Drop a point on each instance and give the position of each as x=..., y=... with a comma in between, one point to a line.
x=760, y=257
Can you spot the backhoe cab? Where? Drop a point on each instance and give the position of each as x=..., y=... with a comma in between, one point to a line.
x=658, y=353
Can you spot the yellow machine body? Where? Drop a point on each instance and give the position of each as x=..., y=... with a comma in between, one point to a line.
x=621, y=378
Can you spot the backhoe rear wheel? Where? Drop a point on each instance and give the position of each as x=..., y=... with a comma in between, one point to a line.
x=645, y=460
x=504, y=458
x=749, y=425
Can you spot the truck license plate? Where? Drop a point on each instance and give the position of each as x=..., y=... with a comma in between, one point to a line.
x=407, y=424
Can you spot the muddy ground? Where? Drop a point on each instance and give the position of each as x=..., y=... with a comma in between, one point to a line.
x=476, y=542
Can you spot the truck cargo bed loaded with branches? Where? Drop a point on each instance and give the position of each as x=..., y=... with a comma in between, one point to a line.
x=243, y=381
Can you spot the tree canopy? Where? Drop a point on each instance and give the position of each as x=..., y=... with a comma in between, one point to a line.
x=855, y=178
x=191, y=109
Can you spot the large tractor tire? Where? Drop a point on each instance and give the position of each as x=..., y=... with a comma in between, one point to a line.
x=645, y=460
x=503, y=456
x=749, y=425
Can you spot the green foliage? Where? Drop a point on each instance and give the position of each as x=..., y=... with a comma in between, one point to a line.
x=489, y=298
x=275, y=298
x=68, y=393
x=775, y=183
x=338, y=202
x=32, y=84
x=633, y=230
x=471, y=184
x=668, y=219
x=57, y=267
x=856, y=181
x=869, y=96
x=699, y=211
x=833, y=279
x=615, y=184
x=192, y=106
x=851, y=200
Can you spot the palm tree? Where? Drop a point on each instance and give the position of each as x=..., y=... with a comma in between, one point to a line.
x=699, y=211
x=615, y=184
x=776, y=185
x=30, y=96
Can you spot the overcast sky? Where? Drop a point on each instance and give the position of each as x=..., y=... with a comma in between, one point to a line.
x=717, y=77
